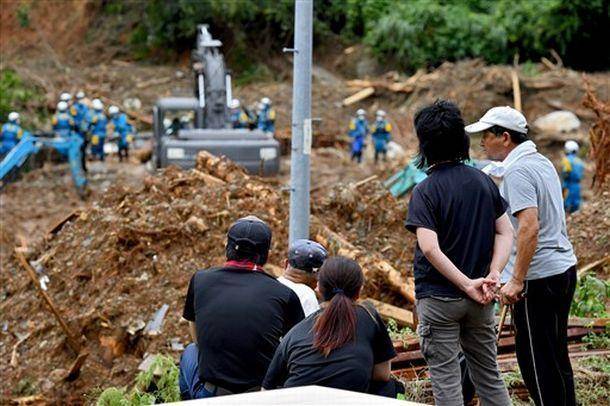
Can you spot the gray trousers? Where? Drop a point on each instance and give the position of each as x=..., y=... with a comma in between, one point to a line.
x=448, y=326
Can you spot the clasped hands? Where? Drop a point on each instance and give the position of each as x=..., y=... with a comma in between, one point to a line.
x=484, y=290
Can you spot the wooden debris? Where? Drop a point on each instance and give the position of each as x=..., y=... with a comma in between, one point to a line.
x=14, y=353
x=501, y=323
x=58, y=226
x=599, y=135
x=71, y=337
x=402, y=316
x=550, y=65
x=369, y=262
x=365, y=181
x=516, y=90
x=593, y=265
x=154, y=82
x=359, y=96
x=74, y=371
x=29, y=400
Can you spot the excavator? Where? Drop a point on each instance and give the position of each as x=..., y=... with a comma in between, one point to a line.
x=69, y=147
x=183, y=126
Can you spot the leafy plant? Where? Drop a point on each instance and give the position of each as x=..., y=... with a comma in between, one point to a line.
x=596, y=363
x=158, y=384
x=23, y=15
x=591, y=297
x=600, y=341
x=399, y=334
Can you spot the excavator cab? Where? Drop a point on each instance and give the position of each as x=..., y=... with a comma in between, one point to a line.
x=208, y=127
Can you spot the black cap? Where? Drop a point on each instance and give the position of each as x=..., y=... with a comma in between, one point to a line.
x=250, y=237
x=306, y=255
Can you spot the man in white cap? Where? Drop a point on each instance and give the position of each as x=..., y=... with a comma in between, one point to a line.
x=540, y=277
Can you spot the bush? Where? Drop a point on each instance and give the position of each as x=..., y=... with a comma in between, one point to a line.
x=590, y=297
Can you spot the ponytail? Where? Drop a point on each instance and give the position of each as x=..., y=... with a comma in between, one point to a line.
x=340, y=280
x=336, y=325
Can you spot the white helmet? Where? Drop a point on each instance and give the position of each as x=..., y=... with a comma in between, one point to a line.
x=235, y=104
x=65, y=97
x=361, y=112
x=112, y=110
x=571, y=147
x=80, y=95
x=266, y=101
x=13, y=116
x=380, y=113
x=62, y=106
x=97, y=104
x=185, y=119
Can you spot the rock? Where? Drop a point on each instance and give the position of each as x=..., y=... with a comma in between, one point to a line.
x=561, y=121
x=395, y=151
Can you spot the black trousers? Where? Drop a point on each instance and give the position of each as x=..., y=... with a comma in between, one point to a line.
x=357, y=155
x=541, y=324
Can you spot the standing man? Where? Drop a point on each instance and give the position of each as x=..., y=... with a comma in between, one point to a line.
x=358, y=130
x=540, y=277
x=79, y=112
x=300, y=272
x=266, y=116
x=62, y=122
x=11, y=133
x=382, y=132
x=238, y=314
x=123, y=129
x=97, y=128
x=239, y=118
x=457, y=261
x=572, y=173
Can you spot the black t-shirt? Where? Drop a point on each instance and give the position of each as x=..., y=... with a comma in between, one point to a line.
x=239, y=318
x=461, y=204
x=297, y=363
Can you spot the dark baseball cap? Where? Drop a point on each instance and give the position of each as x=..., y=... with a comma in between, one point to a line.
x=306, y=255
x=250, y=236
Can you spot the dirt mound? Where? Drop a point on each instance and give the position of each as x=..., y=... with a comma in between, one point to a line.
x=136, y=248
x=588, y=229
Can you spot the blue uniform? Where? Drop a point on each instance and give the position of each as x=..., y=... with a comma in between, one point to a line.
x=9, y=137
x=79, y=112
x=125, y=133
x=266, y=119
x=358, y=130
x=239, y=119
x=63, y=125
x=572, y=173
x=97, y=128
x=381, y=136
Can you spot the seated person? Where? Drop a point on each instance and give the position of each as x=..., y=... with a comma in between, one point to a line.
x=344, y=345
x=304, y=259
x=238, y=314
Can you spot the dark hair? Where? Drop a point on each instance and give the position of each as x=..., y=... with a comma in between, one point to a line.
x=339, y=281
x=515, y=136
x=259, y=258
x=441, y=134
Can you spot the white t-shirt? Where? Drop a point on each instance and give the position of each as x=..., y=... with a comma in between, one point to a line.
x=306, y=295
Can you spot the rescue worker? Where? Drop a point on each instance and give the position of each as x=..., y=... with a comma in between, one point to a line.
x=62, y=122
x=11, y=133
x=79, y=112
x=305, y=257
x=97, y=128
x=123, y=129
x=239, y=118
x=266, y=116
x=381, y=134
x=358, y=130
x=571, y=174
x=65, y=97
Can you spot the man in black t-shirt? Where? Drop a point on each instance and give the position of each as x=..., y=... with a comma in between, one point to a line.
x=464, y=239
x=238, y=314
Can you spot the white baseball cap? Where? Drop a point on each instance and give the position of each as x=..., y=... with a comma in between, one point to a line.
x=506, y=117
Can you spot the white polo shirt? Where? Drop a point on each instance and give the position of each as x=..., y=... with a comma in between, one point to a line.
x=309, y=301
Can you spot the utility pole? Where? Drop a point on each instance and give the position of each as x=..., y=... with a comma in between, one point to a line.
x=301, y=121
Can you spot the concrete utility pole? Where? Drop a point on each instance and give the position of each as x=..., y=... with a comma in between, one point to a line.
x=301, y=121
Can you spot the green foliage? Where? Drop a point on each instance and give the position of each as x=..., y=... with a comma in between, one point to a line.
x=14, y=94
x=158, y=384
x=23, y=15
x=598, y=341
x=596, y=363
x=590, y=297
x=512, y=378
x=399, y=334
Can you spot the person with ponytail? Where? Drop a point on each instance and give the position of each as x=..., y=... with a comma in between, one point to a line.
x=344, y=345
